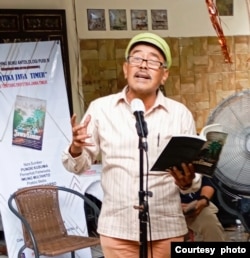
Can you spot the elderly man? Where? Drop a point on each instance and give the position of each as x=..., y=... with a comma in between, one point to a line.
x=108, y=128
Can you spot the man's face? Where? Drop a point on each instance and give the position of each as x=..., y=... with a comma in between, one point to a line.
x=145, y=76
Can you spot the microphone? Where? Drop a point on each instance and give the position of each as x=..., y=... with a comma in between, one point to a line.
x=138, y=109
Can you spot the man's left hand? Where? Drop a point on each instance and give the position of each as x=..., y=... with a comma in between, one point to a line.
x=184, y=177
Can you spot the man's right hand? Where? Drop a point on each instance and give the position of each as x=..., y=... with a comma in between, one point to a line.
x=79, y=136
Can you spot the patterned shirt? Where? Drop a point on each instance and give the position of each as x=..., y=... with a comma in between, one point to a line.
x=114, y=134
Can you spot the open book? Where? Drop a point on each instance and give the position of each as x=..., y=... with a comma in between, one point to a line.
x=203, y=150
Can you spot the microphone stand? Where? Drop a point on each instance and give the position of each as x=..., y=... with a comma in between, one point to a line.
x=143, y=204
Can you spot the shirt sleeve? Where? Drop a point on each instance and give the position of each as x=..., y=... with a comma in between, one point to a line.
x=76, y=165
x=83, y=162
x=207, y=181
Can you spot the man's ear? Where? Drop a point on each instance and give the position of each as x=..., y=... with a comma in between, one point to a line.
x=125, y=69
x=165, y=76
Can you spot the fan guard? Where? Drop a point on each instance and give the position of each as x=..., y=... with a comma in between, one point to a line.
x=233, y=168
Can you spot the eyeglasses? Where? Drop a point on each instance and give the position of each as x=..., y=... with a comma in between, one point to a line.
x=151, y=64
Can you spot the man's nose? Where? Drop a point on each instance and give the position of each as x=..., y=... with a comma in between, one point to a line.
x=144, y=63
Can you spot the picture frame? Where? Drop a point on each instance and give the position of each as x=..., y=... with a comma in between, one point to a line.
x=225, y=7
x=139, y=19
x=159, y=19
x=96, y=19
x=117, y=19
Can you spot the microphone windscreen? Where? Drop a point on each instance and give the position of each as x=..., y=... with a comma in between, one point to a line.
x=137, y=105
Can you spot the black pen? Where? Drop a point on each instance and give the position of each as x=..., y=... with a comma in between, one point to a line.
x=158, y=139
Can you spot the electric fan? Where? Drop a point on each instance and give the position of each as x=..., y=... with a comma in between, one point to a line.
x=232, y=173
x=233, y=167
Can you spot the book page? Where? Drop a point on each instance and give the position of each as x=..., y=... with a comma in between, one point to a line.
x=209, y=128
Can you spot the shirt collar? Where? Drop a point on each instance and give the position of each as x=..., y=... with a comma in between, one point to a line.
x=160, y=101
x=120, y=97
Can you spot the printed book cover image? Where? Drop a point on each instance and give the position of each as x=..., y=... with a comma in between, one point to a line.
x=209, y=154
x=28, y=122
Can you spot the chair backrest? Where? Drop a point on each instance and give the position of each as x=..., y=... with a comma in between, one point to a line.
x=38, y=208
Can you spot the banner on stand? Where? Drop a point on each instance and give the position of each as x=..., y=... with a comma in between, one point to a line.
x=34, y=130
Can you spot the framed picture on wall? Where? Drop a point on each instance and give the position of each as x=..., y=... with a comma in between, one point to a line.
x=159, y=19
x=139, y=20
x=96, y=19
x=117, y=19
x=225, y=7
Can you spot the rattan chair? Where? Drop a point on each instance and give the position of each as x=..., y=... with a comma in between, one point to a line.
x=43, y=228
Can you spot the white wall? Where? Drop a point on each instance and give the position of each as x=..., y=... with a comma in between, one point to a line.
x=186, y=18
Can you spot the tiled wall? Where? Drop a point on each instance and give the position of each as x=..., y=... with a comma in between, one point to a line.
x=199, y=77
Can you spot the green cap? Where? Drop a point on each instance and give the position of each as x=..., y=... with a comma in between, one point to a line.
x=154, y=40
